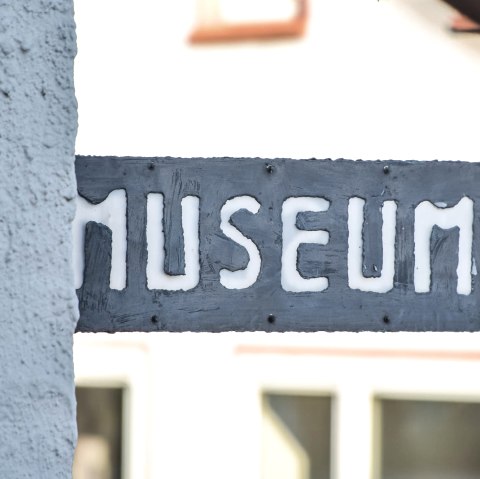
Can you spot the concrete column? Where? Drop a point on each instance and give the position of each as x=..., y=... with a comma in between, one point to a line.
x=38, y=308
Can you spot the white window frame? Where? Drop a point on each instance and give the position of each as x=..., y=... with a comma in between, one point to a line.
x=386, y=367
x=101, y=362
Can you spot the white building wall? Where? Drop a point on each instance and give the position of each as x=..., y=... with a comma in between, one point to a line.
x=371, y=80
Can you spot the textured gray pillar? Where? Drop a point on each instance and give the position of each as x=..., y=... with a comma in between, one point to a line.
x=38, y=307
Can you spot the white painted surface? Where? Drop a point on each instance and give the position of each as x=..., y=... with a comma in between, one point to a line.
x=101, y=362
x=356, y=279
x=370, y=80
x=292, y=238
x=246, y=277
x=427, y=216
x=234, y=11
x=156, y=276
x=111, y=212
x=197, y=396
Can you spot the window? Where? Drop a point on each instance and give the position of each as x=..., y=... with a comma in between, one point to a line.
x=296, y=439
x=99, y=418
x=428, y=439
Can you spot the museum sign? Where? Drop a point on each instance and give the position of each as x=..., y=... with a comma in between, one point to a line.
x=228, y=244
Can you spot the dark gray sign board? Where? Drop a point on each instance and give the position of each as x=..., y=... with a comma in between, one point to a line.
x=266, y=305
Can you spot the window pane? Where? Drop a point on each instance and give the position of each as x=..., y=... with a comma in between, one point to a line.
x=99, y=418
x=429, y=440
x=296, y=437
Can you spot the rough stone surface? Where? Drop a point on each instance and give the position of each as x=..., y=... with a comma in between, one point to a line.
x=38, y=309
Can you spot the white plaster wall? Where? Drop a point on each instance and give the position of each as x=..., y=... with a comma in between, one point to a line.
x=370, y=80
x=38, y=308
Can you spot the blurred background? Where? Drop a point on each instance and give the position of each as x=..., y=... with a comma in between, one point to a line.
x=362, y=79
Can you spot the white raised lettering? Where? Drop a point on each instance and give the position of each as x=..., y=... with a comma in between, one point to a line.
x=242, y=278
x=293, y=238
x=111, y=212
x=156, y=276
x=427, y=216
x=356, y=279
